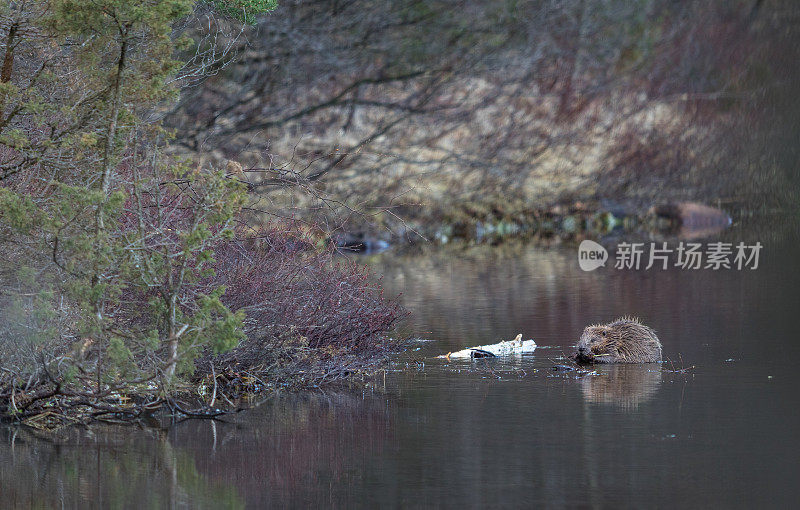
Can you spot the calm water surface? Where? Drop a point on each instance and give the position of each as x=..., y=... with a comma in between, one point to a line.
x=492, y=433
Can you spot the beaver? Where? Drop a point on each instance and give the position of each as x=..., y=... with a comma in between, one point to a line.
x=625, y=340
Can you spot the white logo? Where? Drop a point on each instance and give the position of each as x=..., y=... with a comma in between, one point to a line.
x=591, y=255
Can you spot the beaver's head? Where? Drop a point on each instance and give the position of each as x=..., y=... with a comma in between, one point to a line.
x=596, y=345
x=624, y=340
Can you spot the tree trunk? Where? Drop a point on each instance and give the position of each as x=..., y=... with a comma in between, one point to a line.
x=8, y=63
x=172, y=342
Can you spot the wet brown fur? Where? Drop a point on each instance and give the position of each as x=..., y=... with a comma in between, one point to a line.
x=625, y=340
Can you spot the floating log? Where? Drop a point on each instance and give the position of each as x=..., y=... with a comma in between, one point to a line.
x=506, y=348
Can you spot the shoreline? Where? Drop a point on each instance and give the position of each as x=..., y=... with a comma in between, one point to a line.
x=233, y=393
x=553, y=225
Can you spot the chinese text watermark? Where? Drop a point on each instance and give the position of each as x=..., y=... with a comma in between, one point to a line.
x=714, y=256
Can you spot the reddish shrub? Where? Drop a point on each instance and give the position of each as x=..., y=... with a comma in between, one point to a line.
x=301, y=302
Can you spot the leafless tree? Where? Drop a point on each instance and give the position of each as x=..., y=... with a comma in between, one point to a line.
x=381, y=106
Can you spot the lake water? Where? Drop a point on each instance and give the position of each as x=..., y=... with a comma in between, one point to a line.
x=492, y=433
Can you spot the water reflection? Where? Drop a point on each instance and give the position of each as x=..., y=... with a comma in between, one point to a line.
x=103, y=468
x=270, y=456
x=624, y=386
x=292, y=449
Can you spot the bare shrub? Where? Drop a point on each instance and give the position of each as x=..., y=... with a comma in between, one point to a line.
x=304, y=307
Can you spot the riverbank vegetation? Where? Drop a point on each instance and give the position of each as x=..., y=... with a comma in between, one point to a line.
x=172, y=172
x=131, y=282
x=435, y=119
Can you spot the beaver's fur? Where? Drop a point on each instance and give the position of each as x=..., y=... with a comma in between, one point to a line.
x=625, y=340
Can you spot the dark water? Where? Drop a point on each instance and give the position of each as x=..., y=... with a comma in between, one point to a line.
x=491, y=433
